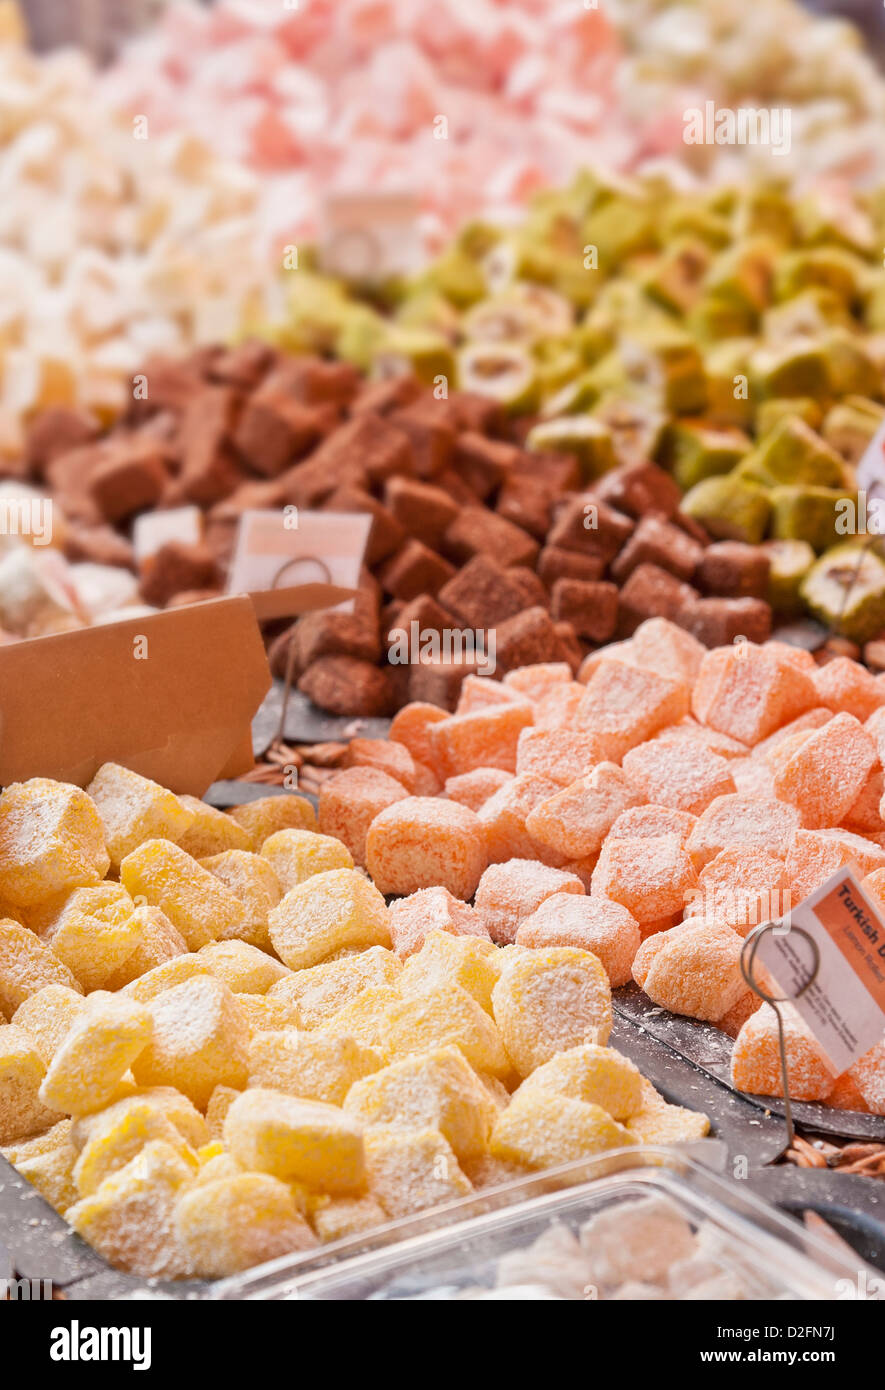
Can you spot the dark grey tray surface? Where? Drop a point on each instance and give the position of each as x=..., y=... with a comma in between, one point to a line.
x=305, y=723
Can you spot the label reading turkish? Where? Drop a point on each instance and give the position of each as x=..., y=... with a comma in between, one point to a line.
x=845, y=1004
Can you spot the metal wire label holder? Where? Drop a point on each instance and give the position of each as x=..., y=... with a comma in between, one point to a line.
x=290, y=652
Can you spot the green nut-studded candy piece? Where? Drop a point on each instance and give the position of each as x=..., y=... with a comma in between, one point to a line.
x=808, y=514
x=788, y=564
x=730, y=508
x=845, y=589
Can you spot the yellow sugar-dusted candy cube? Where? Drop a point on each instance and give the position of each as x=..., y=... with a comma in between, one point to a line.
x=130, y=1218
x=94, y=933
x=411, y=1170
x=236, y=1222
x=263, y=818
x=134, y=809
x=157, y=941
x=58, y=1136
x=659, y=1122
x=48, y=1015
x=598, y=1075
x=254, y=883
x=51, y=840
x=432, y=1090
x=438, y=1017
x=210, y=831
x=320, y=992
x=116, y=1138
x=220, y=1101
x=328, y=912
x=242, y=967
x=296, y=855
x=364, y=1017
x=540, y=1129
x=23, y=1111
x=26, y=966
x=266, y=1015
x=167, y=976
x=195, y=901
x=218, y=1165
x=96, y=1054
x=314, y=1065
x=297, y=1140
x=347, y=1216
x=53, y=1176
x=468, y=961
x=486, y=1171
x=199, y=1041
x=549, y=1001
x=165, y=1100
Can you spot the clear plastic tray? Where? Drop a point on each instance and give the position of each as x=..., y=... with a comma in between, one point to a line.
x=454, y=1249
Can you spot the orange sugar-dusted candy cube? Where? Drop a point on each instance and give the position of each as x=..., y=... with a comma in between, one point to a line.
x=509, y=893
x=210, y=831
x=575, y=821
x=297, y=1140
x=443, y=1016
x=96, y=1053
x=753, y=779
x=563, y=755
x=742, y=822
x=52, y=1174
x=804, y=723
x=743, y=888
x=169, y=975
x=48, y=1015
x=195, y=901
x=547, y=1001
x=747, y=692
x=51, y=841
x=865, y=814
x=157, y=941
x=473, y=789
x=662, y=646
x=689, y=731
x=255, y=885
x=825, y=776
x=321, y=992
x=384, y=755
x=94, y=933
x=558, y=707
x=230, y=1224
x=684, y=775
x=130, y=1218
x=640, y=822
x=479, y=692
x=874, y=884
x=612, y=651
x=436, y=1089
x=334, y=911
x=472, y=962
x=733, y=1020
x=756, y=1063
x=816, y=854
x=487, y=738
x=23, y=1109
x=26, y=965
x=243, y=968
x=431, y=909
x=539, y=680
x=503, y=818
x=596, y=1075
x=867, y=1077
x=134, y=809
x=652, y=877
x=693, y=969
x=875, y=726
x=591, y=924
x=846, y=687
x=198, y=1041
x=410, y=727
x=312, y=1065
x=264, y=817
x=411, y=1170
x=625, y=705
x=540, y=1129
x=295, y=855
x=350, y=801
x=425, y=841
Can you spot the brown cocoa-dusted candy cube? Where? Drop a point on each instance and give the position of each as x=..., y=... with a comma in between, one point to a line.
x=131, y=478
x=733, y=570
x=176, y=566
x=315, y=381
x=459, y=491
x=424, y=610
x=346, y=685
x=386, y=534
x=589, y=526
x=274, y=430
x=592, y=609
x=208, y=469
x=637, y=488
x=477, y=414
x=369, y=445
x=656, y=542
x=532, y=590
x=431, y=436
x=527, y=503
x=572, y=650
x=483, y=463
x=423, y=511
x=651, y=592
x=55, y=431
x=100, y=545
x=438, y=681
x=383, y=397
x=692, y=528
x=717, y=622
x=482, y=594
x=526, y=639
x=243, y=366
x=554, y=564
x=559, y=472
x=414, y=570
x=335, y=634
x=477, y=531
x=223, y=519
x=167, y=383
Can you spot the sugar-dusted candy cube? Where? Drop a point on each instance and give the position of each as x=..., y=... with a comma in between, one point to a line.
x=263, y=818
x=313, y=1065
x=23, y=1108
x=826, y=775
x=816, y=854
x=220, y=1101
x=639, y=1240
x=591, y=923
x=422, y=842
x=364, y=1018
x=659, y=1122
x=683, y=775
x=134, y=809
x=743, y=822
x=295, y=855
x=383, y=755
x=509, y=893
x=431, y=910
x=254, y=883
x=435, y=1018
x=319, y=993
x=432, y=1090
x=540, y=1129
x=558, y=707
x=598, y=1075
x=58, y=1136
x=198, y=1041
x=130, y=1218
x=650, y=876
x=562, y=755
x=742, y=888
x=548, y=1001
x=166, y=1100
x=196, y=902
x=166, y=976
x=539, y=679
x=297, y=1140
x=118, y=1135
x=52, y=1174
x=625, y=705
x=867, y=1077
x=48, y=1015
x=332, y=911
x=487, y=738
x=410, y=726
x=480, y=692
x=473, y=789
x=94, y=933
x=243, y=968
x=349, y=802
x=804, y=723
x=747, y=692
x=210, y=831
x=692, y=969
x=265, y=1015
x=865, y=814
x=412, y=1170
x=95, y=1054
x=846, y=687
x=470, y=961
x=26, y=966
x=503, y=819
x=347, y=1216
x=645, y=822
x=157, y=941
x=756, y=1063
x=576, y=820
x=51, y=841
x=233, y=1223
x=663, y=646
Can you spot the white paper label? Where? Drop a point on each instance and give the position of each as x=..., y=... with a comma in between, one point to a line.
x=320, y=547
x=370, y=236
x=152, y=530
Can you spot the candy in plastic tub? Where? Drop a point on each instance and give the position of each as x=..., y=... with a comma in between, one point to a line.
x=549, y=1001
x=297, y=1140
x=423, y=842
x=329, y=912
x=235, y=1222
